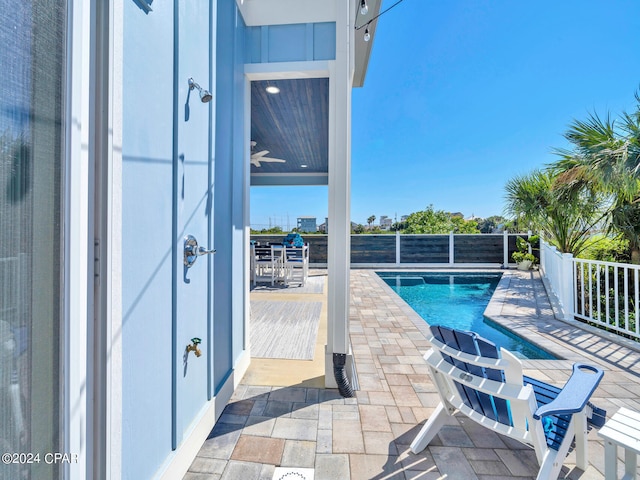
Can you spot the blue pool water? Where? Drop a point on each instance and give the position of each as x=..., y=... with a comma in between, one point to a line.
x=458, y=300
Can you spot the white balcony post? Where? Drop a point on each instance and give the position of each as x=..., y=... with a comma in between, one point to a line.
x=566, y=285
x=505, y=249
x=451, y=252
x=339, y=238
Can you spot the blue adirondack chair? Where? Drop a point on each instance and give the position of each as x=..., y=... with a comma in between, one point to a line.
x=476, y=379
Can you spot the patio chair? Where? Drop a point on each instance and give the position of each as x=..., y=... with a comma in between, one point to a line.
x=267, y=263
x=485, y=384
x=296, y=265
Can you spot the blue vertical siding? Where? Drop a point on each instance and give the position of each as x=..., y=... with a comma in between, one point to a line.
x=281, y=46
x=228, y=292
x=146, y=238
x=291, y=43
x=191, y=192
x=154, y=314
x=253, y=40
x=324, y=41
x=238, y=197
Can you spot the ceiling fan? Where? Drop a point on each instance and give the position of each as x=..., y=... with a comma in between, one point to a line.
x=258, y=157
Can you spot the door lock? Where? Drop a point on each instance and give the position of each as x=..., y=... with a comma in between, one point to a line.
x=192, y=251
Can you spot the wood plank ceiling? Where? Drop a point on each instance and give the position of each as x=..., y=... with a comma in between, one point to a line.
x=292, y=125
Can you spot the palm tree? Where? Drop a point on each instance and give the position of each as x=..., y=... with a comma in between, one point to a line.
x=566, y=217
x=606, y=157
x=370, y=220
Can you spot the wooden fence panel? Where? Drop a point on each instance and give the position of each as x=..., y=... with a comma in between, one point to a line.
x=317, y=248
x=424, y=249
x=381, y=249
x=484, y=248
x=373, y=249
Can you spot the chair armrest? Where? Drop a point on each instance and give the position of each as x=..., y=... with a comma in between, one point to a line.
x=575, y=394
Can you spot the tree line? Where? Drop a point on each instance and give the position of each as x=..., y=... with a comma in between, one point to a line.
x=427, y=221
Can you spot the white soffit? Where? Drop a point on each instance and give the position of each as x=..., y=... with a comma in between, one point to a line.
x=362, y=48
x=283, y=12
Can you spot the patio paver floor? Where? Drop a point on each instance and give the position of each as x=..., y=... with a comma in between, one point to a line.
x=368, y=437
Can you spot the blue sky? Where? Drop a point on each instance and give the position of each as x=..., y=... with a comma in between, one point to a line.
x=462, y=95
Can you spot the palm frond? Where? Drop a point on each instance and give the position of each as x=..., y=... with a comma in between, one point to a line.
x=591, y=135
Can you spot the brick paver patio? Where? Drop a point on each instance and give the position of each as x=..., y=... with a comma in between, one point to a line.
x=367, y=437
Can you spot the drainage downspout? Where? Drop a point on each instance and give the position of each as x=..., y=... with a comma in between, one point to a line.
x=344, y=387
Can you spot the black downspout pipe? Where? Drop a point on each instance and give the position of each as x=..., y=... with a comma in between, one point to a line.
x=344, y=387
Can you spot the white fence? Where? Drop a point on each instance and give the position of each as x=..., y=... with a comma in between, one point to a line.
x=603, y=294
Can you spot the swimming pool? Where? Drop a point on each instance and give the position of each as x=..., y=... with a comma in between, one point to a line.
x=458, y=300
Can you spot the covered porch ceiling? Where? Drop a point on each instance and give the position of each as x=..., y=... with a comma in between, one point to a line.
x=290, y=132
x=293, y=125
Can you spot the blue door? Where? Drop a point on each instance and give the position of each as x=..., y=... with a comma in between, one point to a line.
x=192, y=215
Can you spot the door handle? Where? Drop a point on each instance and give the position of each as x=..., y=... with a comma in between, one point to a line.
x=192, y=250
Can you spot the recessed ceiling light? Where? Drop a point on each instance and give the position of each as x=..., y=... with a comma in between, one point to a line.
x=272, y=89
x=304, y=165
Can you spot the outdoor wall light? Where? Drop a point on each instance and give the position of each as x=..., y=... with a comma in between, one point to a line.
x=205, y=95
x=363, y=7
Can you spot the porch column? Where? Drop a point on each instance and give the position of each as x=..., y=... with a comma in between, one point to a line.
x=339, y=239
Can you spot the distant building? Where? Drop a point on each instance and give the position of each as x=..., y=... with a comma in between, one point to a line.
x=307, y=224
x=324, y=227
x=385, y=222
x=404, y=218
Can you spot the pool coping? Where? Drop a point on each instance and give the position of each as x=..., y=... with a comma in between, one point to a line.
x=503, y=309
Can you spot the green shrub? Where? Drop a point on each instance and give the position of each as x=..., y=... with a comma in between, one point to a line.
x=522, y=245
x=607, y=249
x=519, y=257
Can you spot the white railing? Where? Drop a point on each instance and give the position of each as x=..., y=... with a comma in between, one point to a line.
x=604, y=294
